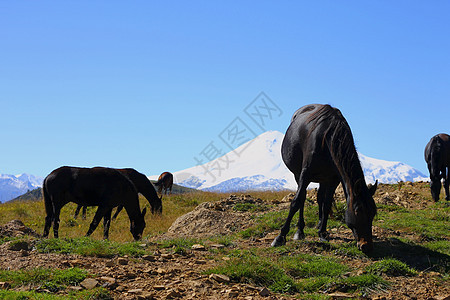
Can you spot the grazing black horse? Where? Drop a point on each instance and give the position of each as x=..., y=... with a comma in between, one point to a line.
x=319, y=147
x=437, y=156
x=102, y=187
x=143, y=186
x=165, y=183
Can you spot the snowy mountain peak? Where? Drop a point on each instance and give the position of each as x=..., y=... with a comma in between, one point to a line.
x=257, y=165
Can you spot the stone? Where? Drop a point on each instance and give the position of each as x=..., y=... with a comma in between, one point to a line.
x=135, y=291
x=219, y=277
x=122, y=261
x=159, y=287
x=148, y=257
x=89, y=283
x=110, y=264
x=198, y=247
x=340, y=295
x=173, y=294
x=264, y=292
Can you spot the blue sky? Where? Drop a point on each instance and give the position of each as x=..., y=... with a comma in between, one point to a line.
x=149, y=85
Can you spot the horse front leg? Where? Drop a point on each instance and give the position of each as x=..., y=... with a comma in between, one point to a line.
x=296, y=204
x=101, y=211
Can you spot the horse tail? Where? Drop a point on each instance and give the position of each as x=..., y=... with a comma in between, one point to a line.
x=47, y=200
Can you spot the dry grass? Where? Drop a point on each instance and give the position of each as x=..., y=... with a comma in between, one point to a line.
x=32, y=214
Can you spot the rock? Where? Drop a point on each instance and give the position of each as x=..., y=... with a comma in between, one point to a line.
x=217, y=246
x=122, y=261
x=198, y=247
x=148, y=257
x=4, y=285
x=167, y=256
x=76, y=288
x=339, y=295
x=264, y=292
x=173, y=294
x=135, y=291
x=110, y=264
x=145, y=295
x=219, y=277
x=159, y=287
x=89, y=283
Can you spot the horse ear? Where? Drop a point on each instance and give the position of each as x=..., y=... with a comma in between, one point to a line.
x=144, y=211
x=373, y=188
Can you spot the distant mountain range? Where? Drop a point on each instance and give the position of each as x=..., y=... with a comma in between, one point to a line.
x=257, y=165
x=12, y=186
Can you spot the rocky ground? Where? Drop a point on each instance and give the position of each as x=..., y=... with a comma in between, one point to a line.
x=165, y=275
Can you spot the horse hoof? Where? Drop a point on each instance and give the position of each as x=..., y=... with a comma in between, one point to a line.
x=299, y=236
x=278, y=241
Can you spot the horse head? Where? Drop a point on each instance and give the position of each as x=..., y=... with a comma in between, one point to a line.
x=137, y=225
x=360, y=213
x=157, y=207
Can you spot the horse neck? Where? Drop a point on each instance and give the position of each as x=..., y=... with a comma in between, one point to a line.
x=345, y=157
x=146, y=188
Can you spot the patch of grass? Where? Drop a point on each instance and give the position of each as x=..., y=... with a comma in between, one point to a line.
x=89, y=247
x=442, y=246
x=392, y=267
x=97, y=293
x=430, y=223
x=257, y=270
x=250, y=207
x=49, y=278
x=266, y=223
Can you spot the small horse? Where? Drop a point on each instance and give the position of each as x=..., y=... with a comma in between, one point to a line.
x=319, y=147
x=102, y=187
x=143, y=186
x=437, y=156
x=165, y=182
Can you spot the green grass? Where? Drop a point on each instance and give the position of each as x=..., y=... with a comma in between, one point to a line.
x=392, y=267
x=97, y=293
x=49, y=277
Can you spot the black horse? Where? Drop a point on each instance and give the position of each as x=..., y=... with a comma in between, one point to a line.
x=319, y=147
x=437, y=156
x=143, y=186
x=102, y=187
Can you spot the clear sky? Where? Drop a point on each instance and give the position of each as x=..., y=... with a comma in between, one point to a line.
x=150, y=85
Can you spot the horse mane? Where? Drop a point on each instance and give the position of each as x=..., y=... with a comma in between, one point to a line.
x=339, y=139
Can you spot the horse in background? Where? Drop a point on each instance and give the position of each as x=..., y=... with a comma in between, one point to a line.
x=165, y=183
x=103, y=187
x=142, y=185
x=319, y=147
x=437, y=156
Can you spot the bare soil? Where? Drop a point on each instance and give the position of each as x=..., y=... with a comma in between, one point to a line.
x=165, y=275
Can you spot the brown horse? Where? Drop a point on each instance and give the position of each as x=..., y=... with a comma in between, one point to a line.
x=165, y=182
x=319, y=147
x=143, y=186
x=437, y=156
x=102, y=187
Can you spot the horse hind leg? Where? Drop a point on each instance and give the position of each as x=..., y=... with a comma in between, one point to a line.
x=296, y=204
x=446, y=183
x=325, y=200
x=106, y=224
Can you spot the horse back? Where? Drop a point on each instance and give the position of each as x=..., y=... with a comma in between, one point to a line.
x=89, y=186
x=305, y=140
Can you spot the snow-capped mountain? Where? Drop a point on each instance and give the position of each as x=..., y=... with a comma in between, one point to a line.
x=12, y=186
x=257, y=165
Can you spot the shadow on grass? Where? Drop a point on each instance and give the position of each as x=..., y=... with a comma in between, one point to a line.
x=416, y=256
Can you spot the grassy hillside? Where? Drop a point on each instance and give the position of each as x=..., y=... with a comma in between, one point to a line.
x=411, y=256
